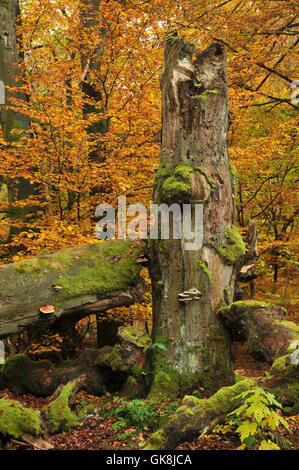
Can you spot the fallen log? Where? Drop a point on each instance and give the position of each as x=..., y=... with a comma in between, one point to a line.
x=196, y=416
x=65, y=286
x=262, y=325
x=105, y=369
x=28, y=424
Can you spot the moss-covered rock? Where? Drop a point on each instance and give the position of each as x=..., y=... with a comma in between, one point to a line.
x=234, y=248
x=59, y=414
x=16, y=420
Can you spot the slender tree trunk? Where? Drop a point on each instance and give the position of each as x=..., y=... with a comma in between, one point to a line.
x=194, y=169
x=18, y=188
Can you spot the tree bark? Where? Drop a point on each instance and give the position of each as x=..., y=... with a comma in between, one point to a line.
x=194, y=169
x=18, y=188
x=75, y=282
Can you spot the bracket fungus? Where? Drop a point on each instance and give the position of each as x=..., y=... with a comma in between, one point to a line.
x=189, y=295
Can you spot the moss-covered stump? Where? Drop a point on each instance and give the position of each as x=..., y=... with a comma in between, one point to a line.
x=58, y=415
x=75, y=282
x=268, y=336
x=16, y=419
x=196, y=416
x=127, y=359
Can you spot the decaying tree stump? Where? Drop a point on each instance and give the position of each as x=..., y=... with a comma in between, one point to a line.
x=188, y=285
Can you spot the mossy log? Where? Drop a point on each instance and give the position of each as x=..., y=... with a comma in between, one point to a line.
x=195, y=417
x=105, y=369
x=16, y=420
x=263, y=326
x=76, y=282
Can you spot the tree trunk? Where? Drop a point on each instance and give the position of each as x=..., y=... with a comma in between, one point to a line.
x=57, y=290
x=18, y=188
x=194, y=169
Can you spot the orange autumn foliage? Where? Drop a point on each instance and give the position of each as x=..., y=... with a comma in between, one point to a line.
x=118, y=53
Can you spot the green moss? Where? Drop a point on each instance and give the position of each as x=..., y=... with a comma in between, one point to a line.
x=136, y=371
x=288, y=324
x=164, y=379
x=206, y=270
x=95, y=274
x=16, y=420
x=134, y=335
x=223, y=310
x=227, y=295
x=280, y=366
x=183, y=172
x=238, y=378
x=176, y=188
x=87, y=270
x=163, y=172
x=115, y=360
x=294, y=345
x=207, y=93
x=221, y=401
x=251, y=304
x=17, y=367
x=59, y=413
x=156, y=441
x=235, y=248
x=288, y=395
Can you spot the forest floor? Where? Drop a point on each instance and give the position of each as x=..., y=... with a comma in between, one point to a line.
x=109, y=431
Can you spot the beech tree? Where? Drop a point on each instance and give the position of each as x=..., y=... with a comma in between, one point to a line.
x=19, y=188
x=194, y=169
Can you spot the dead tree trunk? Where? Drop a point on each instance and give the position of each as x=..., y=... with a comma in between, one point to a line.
x=194, y=170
